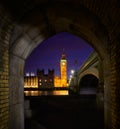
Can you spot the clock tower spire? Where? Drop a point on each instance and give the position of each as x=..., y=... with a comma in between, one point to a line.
x=63, y=70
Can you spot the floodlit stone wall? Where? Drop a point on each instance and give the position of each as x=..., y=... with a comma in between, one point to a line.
x=115, y=77
x=5, y=32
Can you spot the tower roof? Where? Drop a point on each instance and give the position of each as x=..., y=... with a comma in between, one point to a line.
x=63, y=56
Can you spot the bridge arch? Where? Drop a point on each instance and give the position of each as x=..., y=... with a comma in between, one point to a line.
x=92, y=71
x=88, y=84
x=30, y=35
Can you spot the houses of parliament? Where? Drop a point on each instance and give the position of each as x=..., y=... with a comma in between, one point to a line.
x=42, y=80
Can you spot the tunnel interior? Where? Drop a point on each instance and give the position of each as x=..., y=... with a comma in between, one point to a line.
x=88, y=84
x=25, y=24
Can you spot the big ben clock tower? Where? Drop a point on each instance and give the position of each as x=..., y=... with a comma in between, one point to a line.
x=63, y=70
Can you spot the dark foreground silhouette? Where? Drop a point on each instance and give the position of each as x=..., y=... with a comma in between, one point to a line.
x=65, y=112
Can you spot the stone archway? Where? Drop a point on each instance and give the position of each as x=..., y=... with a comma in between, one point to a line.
x=31, y=35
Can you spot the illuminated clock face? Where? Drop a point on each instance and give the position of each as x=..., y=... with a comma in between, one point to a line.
x=63, y=63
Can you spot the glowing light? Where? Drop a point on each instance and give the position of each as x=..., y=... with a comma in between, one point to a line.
x=61, y=92
x=63, y=63
x=32, y=74
x=72, y=72
x=27, y=74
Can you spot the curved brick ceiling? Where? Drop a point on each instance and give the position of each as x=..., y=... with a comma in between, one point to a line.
x=35, y=20
x=21, y=8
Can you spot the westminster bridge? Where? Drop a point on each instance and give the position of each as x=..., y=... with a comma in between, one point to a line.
x=89, y=78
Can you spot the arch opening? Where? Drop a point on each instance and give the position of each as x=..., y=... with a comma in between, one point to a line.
x=48, y=58
x=88, y=84
x=28, y=41
x=91, y=79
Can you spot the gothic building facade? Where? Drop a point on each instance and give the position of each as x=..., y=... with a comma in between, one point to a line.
x=30, y=81
x=45, y=80
x=42, y=80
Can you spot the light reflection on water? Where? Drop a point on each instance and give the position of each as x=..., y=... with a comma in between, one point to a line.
x=39, y=93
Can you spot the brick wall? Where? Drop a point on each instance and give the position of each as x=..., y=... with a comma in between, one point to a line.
x=115, y=76
x=5, y=29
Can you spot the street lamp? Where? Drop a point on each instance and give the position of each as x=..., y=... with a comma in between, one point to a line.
x=72, y=71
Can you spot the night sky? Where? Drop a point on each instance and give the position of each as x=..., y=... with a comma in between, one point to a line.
x=47, y=55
